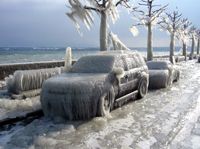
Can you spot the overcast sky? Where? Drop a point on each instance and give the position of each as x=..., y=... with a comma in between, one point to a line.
x=43, y=23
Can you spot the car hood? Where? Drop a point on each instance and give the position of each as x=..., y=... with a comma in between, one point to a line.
x=62, y=83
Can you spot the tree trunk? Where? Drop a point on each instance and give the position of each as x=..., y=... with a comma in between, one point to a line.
x=198, y=46
x=185, y=51
x=172, y=43
x=192, y=50
x=103, y=32
x=149, y=44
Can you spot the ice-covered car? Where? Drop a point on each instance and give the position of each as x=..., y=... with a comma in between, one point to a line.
x=162, y=74
x=95, y=85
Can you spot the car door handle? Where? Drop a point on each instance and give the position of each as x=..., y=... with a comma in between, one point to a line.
x=126, y=76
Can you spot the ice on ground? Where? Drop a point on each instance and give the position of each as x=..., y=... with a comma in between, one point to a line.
x=163, y=119
x=12, y=108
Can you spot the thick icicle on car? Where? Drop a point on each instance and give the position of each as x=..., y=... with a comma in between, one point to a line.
x=94, y=85
x=162, y=74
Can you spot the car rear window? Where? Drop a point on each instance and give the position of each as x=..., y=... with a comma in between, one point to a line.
x=94, y=64
x=158, y=65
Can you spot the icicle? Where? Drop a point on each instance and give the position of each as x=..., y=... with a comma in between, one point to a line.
x=134, y=31
x=112, y=11
x=68, y=59
x=78, y=12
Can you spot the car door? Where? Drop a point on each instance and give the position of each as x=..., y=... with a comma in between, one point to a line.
x=128, y=83
x=133, y=72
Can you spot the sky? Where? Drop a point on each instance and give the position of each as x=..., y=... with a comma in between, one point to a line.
x=43, y=23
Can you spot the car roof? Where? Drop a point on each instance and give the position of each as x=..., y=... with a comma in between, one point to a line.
x=158, y=64
x=118, y=52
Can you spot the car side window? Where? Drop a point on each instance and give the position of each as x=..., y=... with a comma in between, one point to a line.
x=130, y=63
x=121, y=62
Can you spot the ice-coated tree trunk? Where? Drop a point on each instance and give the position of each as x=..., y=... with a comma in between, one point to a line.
x=192, y=49
x=198, y=46
x=149, y=43
x=185, y=50
x=172, y=43
x=103, y=32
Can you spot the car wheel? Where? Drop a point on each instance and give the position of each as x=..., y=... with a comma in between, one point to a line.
x=106, y=103
x=142, y=88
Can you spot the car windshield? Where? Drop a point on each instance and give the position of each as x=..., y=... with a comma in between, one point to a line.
x=94, y=64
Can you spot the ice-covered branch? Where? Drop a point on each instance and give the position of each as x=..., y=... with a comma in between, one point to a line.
x=117, y=43
x=83, y=11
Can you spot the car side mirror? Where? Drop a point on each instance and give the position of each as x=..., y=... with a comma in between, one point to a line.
x=118, y=72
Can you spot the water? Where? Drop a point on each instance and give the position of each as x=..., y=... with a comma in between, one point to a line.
x=30, y=54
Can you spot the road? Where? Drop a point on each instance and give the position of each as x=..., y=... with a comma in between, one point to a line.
x=166, y=118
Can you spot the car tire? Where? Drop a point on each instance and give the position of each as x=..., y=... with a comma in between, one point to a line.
x=142, y=88
x=106, y=102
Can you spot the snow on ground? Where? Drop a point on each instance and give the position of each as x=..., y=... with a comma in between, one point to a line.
x=166, y=118
x=12, y=108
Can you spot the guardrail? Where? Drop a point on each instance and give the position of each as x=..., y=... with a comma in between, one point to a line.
x=8, y=69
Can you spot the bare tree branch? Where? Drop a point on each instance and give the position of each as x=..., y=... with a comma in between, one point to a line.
x=92, y=8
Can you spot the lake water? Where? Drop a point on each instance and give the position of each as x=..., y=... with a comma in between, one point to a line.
x=31, y=54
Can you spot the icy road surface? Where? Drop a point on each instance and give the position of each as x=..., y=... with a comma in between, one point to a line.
x=167, y=118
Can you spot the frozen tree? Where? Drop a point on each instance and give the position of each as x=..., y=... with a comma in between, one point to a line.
x=82, y=11
x=193, y=37
x=172, y=23
x=183, y=35
x=198, y=41
x=148, y=18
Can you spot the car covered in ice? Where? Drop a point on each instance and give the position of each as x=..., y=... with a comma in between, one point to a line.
x=162, y=74
x=95, y=85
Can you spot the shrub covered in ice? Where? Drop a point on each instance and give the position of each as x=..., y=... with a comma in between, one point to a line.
x=29, y=79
